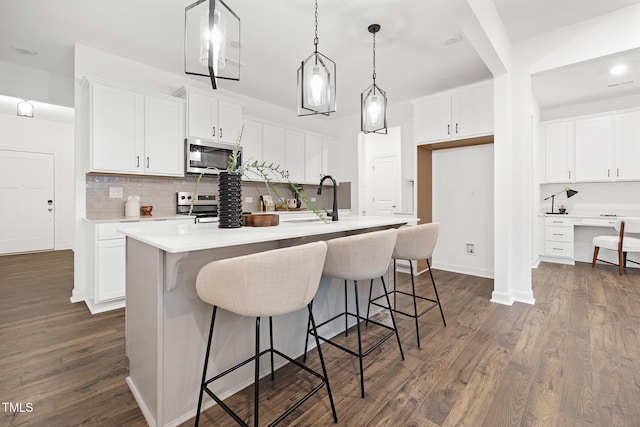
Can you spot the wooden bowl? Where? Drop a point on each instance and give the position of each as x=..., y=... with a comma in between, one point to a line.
x=146, y=210
x=261, y=220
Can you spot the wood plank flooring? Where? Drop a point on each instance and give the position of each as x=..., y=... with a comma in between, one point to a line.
x=572, y=359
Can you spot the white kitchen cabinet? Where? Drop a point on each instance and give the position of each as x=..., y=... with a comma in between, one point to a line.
x=329, y=157
x=273, y=146
x=313, y=158
x=294, y=156
x=466, y=112
x=251, y=144
x=110, y=270
x=132, y=131
x=594, y=149
x=559, y=152
x=627, y=146
x=210, y=117
x=558, y=232
x=163, y=133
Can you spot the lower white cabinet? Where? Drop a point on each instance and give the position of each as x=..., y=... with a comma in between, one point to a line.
x=110, y=269
x=558, y=237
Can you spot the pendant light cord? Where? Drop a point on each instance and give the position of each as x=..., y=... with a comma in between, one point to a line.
x=374, y=58
x=315, y=40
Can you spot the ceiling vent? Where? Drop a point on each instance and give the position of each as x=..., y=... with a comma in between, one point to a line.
x=628, y=82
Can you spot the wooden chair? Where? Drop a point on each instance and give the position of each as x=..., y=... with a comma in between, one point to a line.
x=621, y=243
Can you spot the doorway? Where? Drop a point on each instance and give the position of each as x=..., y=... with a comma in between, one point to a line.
x=27, y=191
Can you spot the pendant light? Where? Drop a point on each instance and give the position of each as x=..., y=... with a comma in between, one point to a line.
x=316, y=82
x=212, y=41
x=25, y=109
x=373, y=101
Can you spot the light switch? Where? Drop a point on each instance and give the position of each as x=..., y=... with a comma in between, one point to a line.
x=115, y=192
x=248, y=199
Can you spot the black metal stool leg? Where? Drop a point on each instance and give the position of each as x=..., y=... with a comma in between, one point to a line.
x=324, y=368
x=206, y=364
x=436, y=291
x=395, y=279
x=346, y=316
x=369, y=304
x=415, y=304
x=271, y=345
x=355, y=287
x=306, y=339
x=393, y=320
x=256, y=383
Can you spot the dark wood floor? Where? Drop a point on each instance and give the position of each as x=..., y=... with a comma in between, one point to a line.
x=572, y=359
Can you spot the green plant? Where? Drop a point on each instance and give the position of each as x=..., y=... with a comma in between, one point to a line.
x=272, y=175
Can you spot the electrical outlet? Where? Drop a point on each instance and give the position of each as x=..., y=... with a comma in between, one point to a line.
x=115, y=192
x=313, y=199
x=471, y=249
x=248, y=199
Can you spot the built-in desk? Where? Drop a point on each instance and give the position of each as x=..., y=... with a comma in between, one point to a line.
x=568, y=238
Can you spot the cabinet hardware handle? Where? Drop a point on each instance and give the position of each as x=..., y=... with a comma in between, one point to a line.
x=608, y=173
x=456, y=128
x=147, y=161
x=558, y=234
x=557, y=222
x=448, y=129
x=214, y=131
x=220, y=132
x=569, y=174
x=617, y=171
x=137, y=161
x=558, y=249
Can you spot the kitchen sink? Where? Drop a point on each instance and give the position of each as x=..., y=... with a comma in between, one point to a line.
x=301, y=220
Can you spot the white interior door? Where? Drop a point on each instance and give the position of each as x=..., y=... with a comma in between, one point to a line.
x=384, y=185
x=26, y=190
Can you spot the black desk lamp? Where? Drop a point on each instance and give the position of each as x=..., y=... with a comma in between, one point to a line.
x=570, y=193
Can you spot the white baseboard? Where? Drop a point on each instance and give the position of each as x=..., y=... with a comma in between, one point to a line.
x=501, y=298
x=141, y=403
x=76, y=296
x=462, y=269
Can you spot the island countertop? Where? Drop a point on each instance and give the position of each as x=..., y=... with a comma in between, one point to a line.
x=178, y=237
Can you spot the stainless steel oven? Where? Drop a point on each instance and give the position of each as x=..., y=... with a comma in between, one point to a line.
x=207, y=157
x=205, y=207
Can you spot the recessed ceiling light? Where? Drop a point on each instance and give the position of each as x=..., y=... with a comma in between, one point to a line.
x=23, y=50
x=619, y=69
x=453, y=39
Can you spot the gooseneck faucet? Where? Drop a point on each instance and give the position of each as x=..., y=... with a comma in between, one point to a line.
x=334, y=213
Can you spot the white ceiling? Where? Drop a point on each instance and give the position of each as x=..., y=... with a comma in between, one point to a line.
x=412, y=59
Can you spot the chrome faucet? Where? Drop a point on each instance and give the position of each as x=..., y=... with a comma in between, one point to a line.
x=334, y=214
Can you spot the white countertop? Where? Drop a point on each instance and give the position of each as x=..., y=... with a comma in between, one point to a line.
x=179, y=236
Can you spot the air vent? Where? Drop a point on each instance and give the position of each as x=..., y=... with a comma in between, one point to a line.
x=628, y=82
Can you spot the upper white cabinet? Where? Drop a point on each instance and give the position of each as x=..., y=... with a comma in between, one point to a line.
x=251, y=142
x=210, y=117
x=627, y=145
x=559, y=152
x=295, y=156
x=593, y=149
x=466, y=112
x=132, y=131
x=273, y=146
x=602, y=147
x=313, y=158
x=329, y=157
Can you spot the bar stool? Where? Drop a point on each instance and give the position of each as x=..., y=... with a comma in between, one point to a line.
x=414, y=243
x=360, y=257
x=269, y=283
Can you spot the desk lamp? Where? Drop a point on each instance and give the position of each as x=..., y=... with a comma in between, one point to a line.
x=570, y=193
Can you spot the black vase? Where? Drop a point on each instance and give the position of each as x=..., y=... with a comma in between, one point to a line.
x=230, y=200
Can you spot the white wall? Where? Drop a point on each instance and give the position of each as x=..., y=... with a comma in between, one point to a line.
x=593, y=107
x=43, y=135
x=30, y=83
x=463, y=205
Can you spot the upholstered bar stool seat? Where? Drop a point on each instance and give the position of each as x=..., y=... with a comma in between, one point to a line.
x=415, y=243
x=620, y=243
x=360, y=257
x=265, y=284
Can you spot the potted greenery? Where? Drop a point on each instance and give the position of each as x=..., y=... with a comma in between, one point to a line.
x=230, y=186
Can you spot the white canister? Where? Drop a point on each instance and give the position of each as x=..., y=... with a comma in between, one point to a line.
x=132, y=207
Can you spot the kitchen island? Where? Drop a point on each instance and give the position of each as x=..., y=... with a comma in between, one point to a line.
x=167, y=324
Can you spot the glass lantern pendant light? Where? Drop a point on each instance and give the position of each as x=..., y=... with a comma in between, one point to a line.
x=316, y=82
x=211, y=41
x=373, y=101
x=25, y=109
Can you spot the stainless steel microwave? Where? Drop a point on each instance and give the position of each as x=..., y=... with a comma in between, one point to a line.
x=207, y=157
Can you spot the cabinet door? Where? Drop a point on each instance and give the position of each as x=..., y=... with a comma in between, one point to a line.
x=313, y=159
x=163, y=131
x=432, y=120
x=329, y=157
x=294, y=155
x=117, y=131
x=558, y=152
x=593, y=149
x=627, y=146
x=472, y=112
x=229, y=121
x=110, y=269
x=202, y=117
x=273, y=146
x=252, y=142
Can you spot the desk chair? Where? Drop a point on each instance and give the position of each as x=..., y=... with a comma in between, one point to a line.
x=620, y=243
